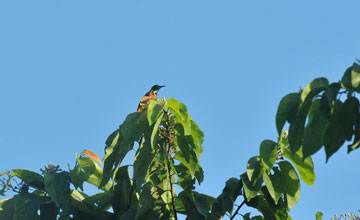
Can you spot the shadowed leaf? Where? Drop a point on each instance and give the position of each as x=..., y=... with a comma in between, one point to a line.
x=275, y=184
x=287, y=110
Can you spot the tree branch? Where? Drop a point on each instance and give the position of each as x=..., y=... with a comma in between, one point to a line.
x=169, y=143
x=172, y=192
x=237, y=210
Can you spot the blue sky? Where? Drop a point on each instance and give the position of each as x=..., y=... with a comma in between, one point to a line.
x=72, y=70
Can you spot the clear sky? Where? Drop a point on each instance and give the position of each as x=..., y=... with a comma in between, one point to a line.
x=70, y=72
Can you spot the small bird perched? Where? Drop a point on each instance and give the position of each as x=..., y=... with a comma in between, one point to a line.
x=151, y=95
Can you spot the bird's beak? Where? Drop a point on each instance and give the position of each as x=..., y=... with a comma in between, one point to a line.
x=162, y=86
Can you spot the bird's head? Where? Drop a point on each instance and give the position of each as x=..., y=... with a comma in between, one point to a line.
x=156, y=88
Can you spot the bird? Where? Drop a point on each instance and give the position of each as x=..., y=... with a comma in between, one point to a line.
x=150, y=95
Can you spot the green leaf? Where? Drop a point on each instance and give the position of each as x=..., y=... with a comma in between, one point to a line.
x=313, y=88
x=130, y=131
x=153, y=112
x=341, y=125
x=195, y=208
x=57, y=185
x=287, y=110
x=29, y=177
x=111, y=142
x=254, y=169
x=202, y=202
x=348, y=115
x=181, y=115
x=25, y=206
x=265, y=204
x=332, y=92
x=247, y=217
x=346, y=79
x=99, y=200
x=250, y=189
x=87, y=170
x=355, y=75
x=187, y=154
x=184, y=177
x=334, y=137
x=292, y=183
x=225, y=201
x=296, y=129
x=304, y=166
x=7, y=209
x=268, y=153
x=154, y=134
x=319, y=215
x=351, y=77
x=275, y=184
x=121, y=193
x=142, y=161
x=197, y=137
x=93, y=172
x=82, y=210
x=356, y=142
x=315, y=129
x=129, y=214
x=150, y=205
x=48, y=210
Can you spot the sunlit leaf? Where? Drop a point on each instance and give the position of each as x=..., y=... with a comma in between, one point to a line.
x=268, y=153
x=313, y=88
x=153, y=111
x=319, y=215
x=304, y=166
x=355, y=75
x=29, y=177
x=181, y=115
x=351, y=77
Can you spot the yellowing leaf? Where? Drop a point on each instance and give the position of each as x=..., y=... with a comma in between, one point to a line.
x=92, y=155
x=5, y=173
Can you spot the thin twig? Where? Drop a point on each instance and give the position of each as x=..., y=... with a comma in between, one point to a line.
x=237, y=210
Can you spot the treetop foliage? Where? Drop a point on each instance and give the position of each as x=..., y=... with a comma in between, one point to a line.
x=161, y=182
